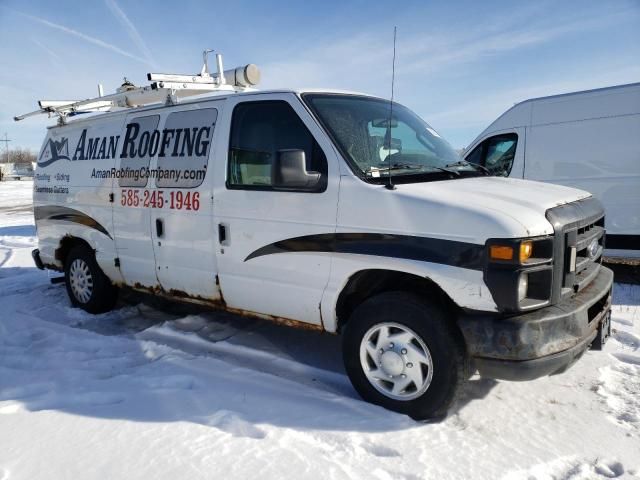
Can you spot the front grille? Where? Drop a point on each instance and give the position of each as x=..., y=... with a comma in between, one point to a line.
x=577, y=258
x=587, y=259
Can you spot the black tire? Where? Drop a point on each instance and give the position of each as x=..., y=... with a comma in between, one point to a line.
x=443, y=340
x=103, y=294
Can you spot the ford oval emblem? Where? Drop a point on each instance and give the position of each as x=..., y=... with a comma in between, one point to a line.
x=592, y=249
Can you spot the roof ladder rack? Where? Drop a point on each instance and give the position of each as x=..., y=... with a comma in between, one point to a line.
x=164, y=87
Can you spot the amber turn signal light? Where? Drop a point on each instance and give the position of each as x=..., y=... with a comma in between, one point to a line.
x=501, y=252
x=526, y=249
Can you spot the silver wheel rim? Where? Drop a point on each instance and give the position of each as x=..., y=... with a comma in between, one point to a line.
x=396, y=361
x=81, y=280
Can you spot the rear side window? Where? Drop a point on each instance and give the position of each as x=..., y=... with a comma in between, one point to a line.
x=134, y=161
x=187, y=138
x=496, y=154
x=258, y=131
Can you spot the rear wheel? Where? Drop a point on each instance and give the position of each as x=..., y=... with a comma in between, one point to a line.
x=87, y=285
x=401, y=352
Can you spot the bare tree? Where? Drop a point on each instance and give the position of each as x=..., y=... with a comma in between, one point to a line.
x=21, y=155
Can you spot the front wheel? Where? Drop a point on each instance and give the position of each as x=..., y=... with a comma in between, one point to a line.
x=87, y=285
x=401, y=352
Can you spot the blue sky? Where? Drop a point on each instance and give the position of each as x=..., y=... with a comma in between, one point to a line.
x=459, y=64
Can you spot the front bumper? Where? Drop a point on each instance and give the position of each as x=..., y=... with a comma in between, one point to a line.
x=542, y=342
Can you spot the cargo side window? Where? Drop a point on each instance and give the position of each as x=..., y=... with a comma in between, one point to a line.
x=496, y=154
x=258, y=131
x=135, y=155
x=184, y=145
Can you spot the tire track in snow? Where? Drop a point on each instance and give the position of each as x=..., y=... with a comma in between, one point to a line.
x=6, y=254
x=627, y=339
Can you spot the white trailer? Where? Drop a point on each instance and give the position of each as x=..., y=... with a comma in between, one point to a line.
x=588, y=140
x=327, y=210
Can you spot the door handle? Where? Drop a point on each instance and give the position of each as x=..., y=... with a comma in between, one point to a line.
x=222, y=234
x=159, y=227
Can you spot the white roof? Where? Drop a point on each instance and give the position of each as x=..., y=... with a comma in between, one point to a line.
x=201, y=98
x=566, y=107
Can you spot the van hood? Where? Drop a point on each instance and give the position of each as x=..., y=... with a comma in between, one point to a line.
x=524, y=201
x=500, y=190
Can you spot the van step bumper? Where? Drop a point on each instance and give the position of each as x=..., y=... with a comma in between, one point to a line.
x=539, y=343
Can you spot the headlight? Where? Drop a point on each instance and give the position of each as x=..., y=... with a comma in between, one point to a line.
x=519, y=272
x=523, y=285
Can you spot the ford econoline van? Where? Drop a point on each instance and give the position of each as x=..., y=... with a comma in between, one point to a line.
x=326, y=210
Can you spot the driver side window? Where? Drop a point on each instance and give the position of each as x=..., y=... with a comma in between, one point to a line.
x=496, y=154
x=262, y=130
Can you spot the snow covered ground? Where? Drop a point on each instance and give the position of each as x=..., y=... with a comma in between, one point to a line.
x=172, y=392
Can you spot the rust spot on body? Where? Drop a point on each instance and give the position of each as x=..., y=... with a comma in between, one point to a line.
x=184, y=296
x=153, y=290
x=279, y=320
x=220, y=304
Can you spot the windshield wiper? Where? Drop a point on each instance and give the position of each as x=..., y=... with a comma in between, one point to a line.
x=461, y=163
x=400, y=166
x=409, y=166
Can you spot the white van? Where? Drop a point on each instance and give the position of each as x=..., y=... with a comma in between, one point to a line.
x=316, y=209
x=588, y=140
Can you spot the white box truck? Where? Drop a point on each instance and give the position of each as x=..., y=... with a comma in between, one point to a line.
x=588, y=140
x=324, y=210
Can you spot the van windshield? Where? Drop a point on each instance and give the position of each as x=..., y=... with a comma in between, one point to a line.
x=373, y=143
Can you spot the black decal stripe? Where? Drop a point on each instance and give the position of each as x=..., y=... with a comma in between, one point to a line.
x=622, y=242
x=434, y=250
x=54, y=212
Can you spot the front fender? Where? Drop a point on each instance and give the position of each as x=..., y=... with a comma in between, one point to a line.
x=464, y=286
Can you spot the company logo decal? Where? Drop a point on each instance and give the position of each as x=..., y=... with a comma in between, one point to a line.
x=54, y=151
x=138, y=143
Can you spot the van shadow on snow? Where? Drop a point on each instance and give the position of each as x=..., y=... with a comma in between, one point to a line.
x=158, y=361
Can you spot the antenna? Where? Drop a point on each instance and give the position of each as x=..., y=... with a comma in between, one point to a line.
x=390, y=185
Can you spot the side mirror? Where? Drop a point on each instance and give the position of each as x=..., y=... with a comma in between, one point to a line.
x=289, y=170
